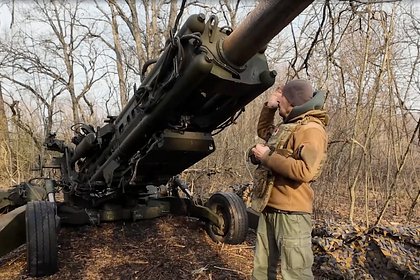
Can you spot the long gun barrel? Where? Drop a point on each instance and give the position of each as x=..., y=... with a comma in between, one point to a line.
x=265, y=21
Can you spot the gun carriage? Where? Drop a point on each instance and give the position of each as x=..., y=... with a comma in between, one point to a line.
x=127, y=169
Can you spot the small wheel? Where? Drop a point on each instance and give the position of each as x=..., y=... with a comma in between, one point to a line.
x=41, y=238
x=232, y=209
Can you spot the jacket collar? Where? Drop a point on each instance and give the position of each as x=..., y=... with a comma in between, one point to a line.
x=311, y=109
x=319, y=116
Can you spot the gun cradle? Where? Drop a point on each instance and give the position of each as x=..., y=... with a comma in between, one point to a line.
x=167, y=125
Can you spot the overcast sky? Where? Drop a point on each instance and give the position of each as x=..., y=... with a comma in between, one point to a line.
x=5, y=17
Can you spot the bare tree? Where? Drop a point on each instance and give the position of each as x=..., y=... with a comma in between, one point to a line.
x=4, y=129
x=41, y=68
x=116, y=47
x=72, y=47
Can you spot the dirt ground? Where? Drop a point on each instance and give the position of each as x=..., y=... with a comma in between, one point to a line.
x=162, y=248
x=179, y=248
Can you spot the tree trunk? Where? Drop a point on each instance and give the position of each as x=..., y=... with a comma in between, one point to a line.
x=4, y=128
x=119, y=61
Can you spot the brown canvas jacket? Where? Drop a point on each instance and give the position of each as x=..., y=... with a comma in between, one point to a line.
x=308, y=143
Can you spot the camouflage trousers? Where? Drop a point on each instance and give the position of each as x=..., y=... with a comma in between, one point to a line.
x=286, y=237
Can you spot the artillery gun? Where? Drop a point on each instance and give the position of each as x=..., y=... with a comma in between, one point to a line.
x=127, y=169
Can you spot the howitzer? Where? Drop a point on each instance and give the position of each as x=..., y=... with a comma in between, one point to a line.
x=127, y=169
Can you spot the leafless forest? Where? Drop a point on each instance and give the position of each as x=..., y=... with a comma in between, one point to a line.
x=77, y=61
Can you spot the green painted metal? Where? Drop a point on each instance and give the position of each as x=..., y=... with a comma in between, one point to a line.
x=19, y=195
x=12, y=230
x=4, y=200
x=152, y=208
x=35, y=193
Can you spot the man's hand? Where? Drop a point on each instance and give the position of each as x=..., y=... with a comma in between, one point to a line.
x=260, y=150
x=273, y=98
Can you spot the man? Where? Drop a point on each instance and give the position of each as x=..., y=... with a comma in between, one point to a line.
x=294, y=153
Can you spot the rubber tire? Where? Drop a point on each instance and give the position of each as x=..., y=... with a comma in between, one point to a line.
x=233, y=210
x=41, y=238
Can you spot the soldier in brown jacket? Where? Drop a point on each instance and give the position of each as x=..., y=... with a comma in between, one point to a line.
x=293, y=156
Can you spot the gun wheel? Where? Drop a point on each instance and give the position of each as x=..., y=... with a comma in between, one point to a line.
x=41, y=238
x=231, y=208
